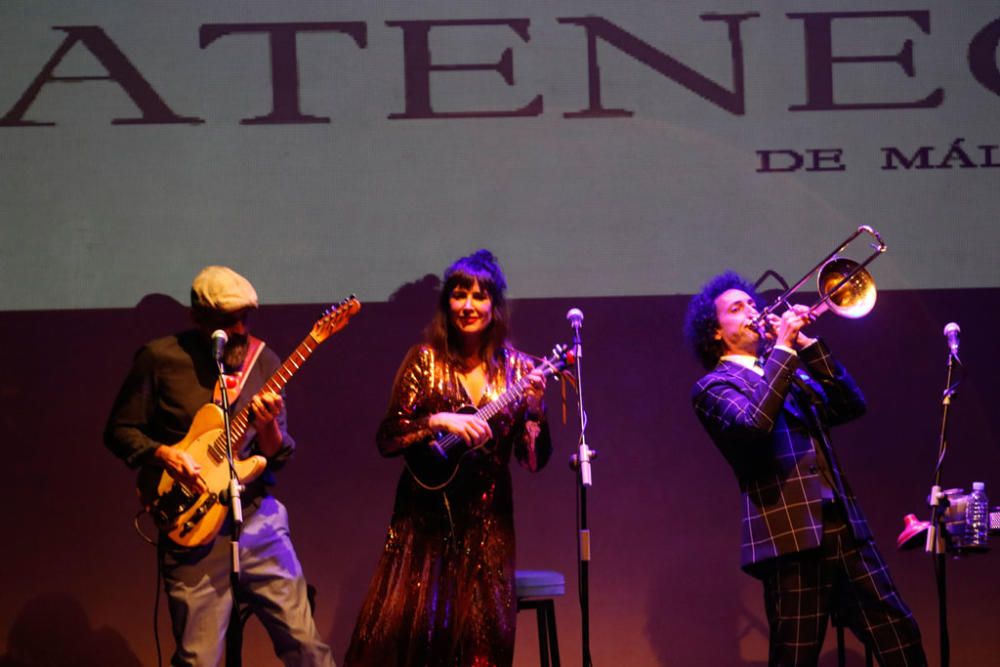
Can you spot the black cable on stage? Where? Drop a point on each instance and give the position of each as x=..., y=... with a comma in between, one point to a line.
x=156, y=613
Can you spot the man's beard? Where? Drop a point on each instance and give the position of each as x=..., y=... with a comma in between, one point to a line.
x=235, y=352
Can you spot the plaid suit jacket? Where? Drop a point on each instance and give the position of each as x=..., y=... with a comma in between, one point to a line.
x=771, y=443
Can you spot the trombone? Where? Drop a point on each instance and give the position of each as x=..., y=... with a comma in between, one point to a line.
x=845, y=286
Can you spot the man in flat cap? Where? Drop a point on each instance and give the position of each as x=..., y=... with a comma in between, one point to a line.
x=170, y=380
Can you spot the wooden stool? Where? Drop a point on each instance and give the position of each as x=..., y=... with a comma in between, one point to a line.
x=535, y=589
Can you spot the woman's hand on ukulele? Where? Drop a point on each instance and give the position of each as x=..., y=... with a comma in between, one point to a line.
x=470, y=428
x=534, y=392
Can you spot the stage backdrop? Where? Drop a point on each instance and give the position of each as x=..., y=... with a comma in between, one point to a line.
x=614, y=155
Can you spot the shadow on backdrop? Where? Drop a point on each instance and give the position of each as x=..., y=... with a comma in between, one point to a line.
x=53, y=631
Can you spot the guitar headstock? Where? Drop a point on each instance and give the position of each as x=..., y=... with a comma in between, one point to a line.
x=561, y=357
x=335, y=318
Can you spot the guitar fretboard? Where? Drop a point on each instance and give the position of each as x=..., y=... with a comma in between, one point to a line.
x=241, y=422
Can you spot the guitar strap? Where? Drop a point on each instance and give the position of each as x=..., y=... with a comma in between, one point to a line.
x=235, y=381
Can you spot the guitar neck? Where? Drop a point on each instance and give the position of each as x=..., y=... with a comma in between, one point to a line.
x=514, y=393
x=277, y=382
x=489, y=410
x=493, y=408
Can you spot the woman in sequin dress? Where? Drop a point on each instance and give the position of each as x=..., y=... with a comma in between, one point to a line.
x=443, y=591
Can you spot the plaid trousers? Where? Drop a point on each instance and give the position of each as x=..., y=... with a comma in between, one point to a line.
x=801, y=589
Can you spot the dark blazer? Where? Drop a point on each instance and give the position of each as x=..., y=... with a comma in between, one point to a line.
x=771, y=430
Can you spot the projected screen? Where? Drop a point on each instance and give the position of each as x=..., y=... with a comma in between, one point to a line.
x=598, y=148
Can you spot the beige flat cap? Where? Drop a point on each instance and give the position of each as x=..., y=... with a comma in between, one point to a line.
x=221, y=289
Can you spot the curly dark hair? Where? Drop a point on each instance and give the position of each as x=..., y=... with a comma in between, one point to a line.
x=481, y=266
x=701, y=322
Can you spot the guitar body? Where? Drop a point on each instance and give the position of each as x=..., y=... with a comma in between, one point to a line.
x=185, y=517
x=434, y=464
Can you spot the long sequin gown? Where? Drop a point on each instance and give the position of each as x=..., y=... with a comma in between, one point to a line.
x=443, y=590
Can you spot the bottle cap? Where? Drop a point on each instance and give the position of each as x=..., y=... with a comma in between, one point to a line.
x=978, y=486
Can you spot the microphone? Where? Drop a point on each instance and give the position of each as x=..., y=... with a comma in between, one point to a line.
x=575, y=319
x=219, y=340
x=951, y=331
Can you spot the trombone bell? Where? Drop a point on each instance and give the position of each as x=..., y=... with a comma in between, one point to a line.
x=855, y=298
x=845, y=286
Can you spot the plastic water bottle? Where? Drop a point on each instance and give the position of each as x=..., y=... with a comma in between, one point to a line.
x=977, y=518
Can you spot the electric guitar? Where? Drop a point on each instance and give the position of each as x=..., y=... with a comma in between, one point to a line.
x=192, y=519
x=433, y=465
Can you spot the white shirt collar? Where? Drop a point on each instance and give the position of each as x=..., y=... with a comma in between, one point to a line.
x=745, y=360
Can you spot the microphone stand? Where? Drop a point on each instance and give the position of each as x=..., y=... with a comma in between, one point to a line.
x=935, y=531
x=234, y=635
x=581, y=462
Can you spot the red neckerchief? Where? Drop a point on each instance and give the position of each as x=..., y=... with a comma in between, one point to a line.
x=235, y=381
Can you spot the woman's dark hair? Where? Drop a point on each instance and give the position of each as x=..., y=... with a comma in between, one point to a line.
x=480, y=266
x=701, y=322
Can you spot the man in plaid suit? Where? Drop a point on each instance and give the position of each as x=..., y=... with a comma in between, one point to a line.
x=803, y=533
